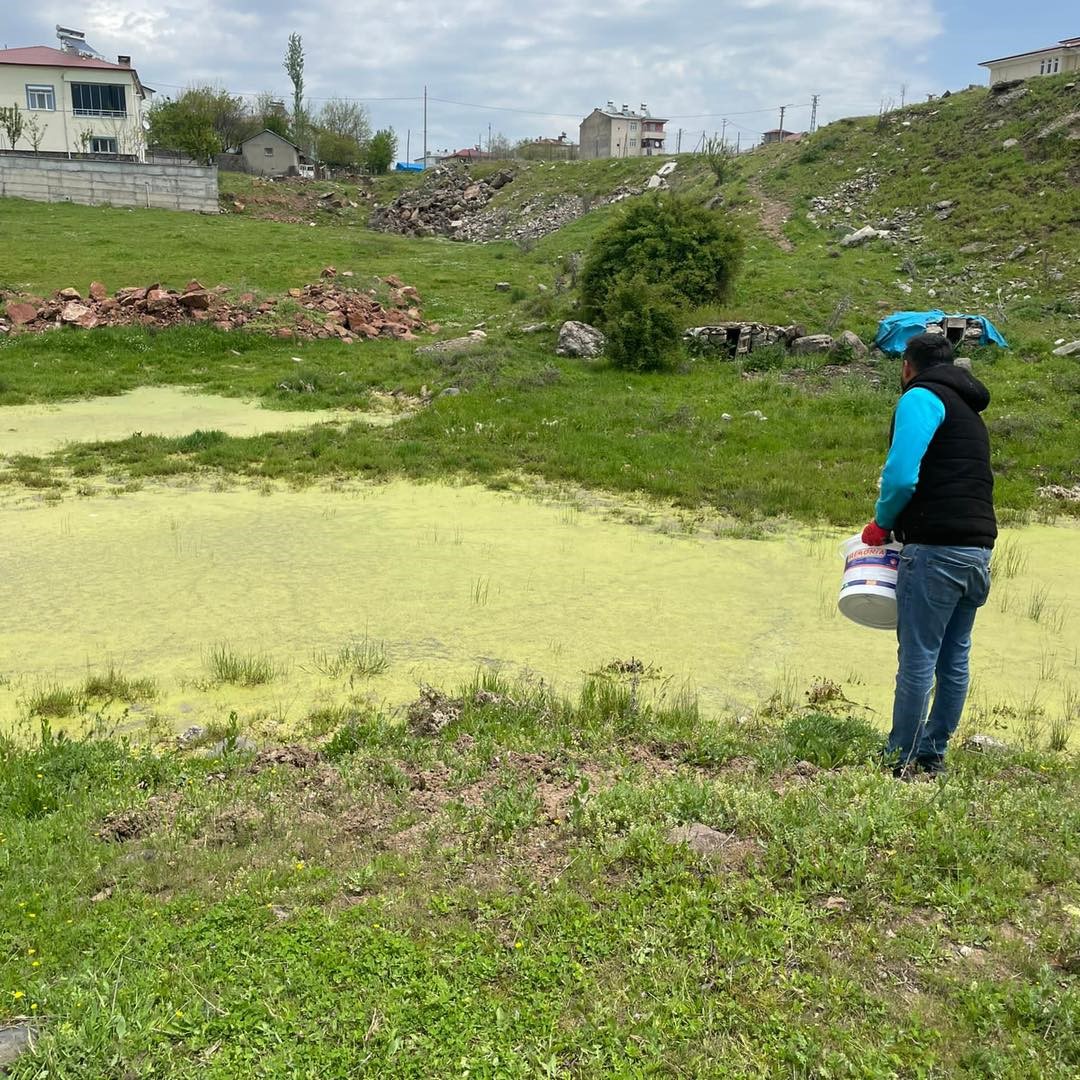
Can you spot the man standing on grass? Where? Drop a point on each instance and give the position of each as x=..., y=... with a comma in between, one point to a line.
x=937, y=498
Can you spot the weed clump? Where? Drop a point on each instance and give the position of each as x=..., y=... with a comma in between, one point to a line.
x=236, y=669
x=113, y=685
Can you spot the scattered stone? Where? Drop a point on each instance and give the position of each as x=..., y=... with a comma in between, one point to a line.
x=945, y=204
x=239, y=745
x=21, y=314
x=726, y=416
x=190, y=737
x=812, y=343
x=700, y=838
x=985, y=744
x=16, y=1039
x=502, y=286
x=534, y=328
x=98, y=291
x=962, y=362
x=976, y=247
x=1017, y=252
x=292, y=757
x=756, y=414
x=432, y=711
x=453, y=346
x=73, y=311
x=1072, y=348
x=864, y=234
x=450, y=391
x=579, y=339
x=68, y=294
x=1060, y=491
x=851, y=341
x=1008, y=144
x=101, y=896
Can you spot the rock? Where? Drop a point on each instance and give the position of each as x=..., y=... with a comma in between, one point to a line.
x=850, y=340
x=579, y=339
x=945, y=204
x=962, y=362
x=328, y=272
x=944, y=215
x=1017, y=252
x=453, y=346
x=502, y=286
x=450, y=391
x=73, y=311
x=977, y=247
x=197, y=300
x=904, y=287
x=1071, y=349
x=98, y=291
x=985, y=744
x=726, y=416
x=20, y=314
x=700, y=838
x=667, y=168
x=189, y=737
x=16, y=1038
x=1008, y=144
x=812, y=343
x=69, y=294
x=864, y=234
x=241, y=744
x=756, y=414
x=535, y=328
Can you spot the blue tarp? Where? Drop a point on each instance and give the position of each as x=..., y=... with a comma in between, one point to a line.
x=408, y=166
x=896, y=330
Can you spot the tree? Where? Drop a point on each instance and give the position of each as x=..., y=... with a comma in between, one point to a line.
x=35, y=132
x=13, y=122
x=186, y=125
x=693, y=252
x=380, y=151
x=347, y=119
x=500, y=147
x=294, y=66
x=338, y=151
x=268, y=112
x=642, y=325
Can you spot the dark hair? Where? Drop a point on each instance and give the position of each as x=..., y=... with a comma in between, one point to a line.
x=926, y=350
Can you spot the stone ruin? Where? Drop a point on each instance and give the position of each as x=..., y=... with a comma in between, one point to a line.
x=739, y=338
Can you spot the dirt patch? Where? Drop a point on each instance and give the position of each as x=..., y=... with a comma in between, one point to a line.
x=773, y=215
x=822, y=378
x=722, y=850
x=290, y=757
x=432, y=711
x=134, y=822
x=321, y=310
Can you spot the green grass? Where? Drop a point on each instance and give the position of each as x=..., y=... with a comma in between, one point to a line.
x=502, y=900
x=52, y=700
x=225, y=665
x=357, y=659
x=113, y=684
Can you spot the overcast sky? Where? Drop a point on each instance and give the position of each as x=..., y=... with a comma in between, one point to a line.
x=538, y=68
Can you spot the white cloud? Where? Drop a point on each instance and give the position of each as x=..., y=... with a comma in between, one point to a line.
x=683, y=57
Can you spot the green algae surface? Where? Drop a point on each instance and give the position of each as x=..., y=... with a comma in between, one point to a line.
x=445, y=580
x=149, y=410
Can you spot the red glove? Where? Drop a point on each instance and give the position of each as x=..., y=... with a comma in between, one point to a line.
x=874, y=535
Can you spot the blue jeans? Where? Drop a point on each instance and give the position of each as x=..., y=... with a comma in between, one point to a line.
x=938, y=591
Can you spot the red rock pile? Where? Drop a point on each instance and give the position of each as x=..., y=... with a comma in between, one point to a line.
x=321, y=310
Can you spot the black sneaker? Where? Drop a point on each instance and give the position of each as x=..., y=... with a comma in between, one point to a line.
x=932, y=767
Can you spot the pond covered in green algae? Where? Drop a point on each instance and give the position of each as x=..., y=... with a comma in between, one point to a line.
x=149, y=410
x=455, y=578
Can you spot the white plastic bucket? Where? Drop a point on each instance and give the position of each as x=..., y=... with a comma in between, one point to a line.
x=868, y=590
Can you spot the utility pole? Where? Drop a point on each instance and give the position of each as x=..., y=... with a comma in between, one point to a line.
x=903, y=94
x=425, y=127
x=783, y=109
x=489, y=140
x=723, y=132
x=678, y=142
x=408, y=146
x=738, y=144
x=813, y=112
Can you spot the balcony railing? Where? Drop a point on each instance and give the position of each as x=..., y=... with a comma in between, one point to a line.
x=118, y=114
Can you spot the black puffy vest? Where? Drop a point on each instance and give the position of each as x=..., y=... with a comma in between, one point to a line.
x=953, y=502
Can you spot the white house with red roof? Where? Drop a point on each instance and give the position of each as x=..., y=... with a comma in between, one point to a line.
x=1053, y=60
x=78, y=102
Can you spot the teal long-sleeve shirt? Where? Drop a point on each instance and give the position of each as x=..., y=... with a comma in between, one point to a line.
x=919, y=414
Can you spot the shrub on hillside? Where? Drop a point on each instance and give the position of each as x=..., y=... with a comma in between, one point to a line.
x=641, y=324
x=693, y=252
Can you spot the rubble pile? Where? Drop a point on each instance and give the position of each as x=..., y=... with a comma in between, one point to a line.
x=321, y=310
x=442, y=205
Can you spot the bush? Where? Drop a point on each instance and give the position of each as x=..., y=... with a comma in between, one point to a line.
x=693, y=252
x=641, y=324
x=831, y=741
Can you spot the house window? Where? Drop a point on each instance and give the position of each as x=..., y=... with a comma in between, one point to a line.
x=98, y=99
x=41, y=97
x=1042, y=67
x=102, y=144
x=268, y=151
x=633, y=142
x=1056, y=62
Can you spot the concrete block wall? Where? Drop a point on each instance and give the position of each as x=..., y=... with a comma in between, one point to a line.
x=119, y=183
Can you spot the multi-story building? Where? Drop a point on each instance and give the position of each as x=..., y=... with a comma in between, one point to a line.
x=1054, y=60
x=612, y=132
x=73, y=101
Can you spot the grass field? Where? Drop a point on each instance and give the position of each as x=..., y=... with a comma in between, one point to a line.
x=503, y=898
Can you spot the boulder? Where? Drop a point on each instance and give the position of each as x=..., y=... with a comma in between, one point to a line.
x=1062, y=350
x=864, y=234
x=1008, y=144
x=69, y=294
x=812, y=343
x=20, y=314
x=73, y=311
x=196, y=300
x=852, y=341
x=502, y=286
x=98, y=291
x=579, y=339
x=985, y=744
x=962, y=362
x=1017, y=252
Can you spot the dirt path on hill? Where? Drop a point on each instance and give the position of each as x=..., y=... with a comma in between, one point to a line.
x=773, y=214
